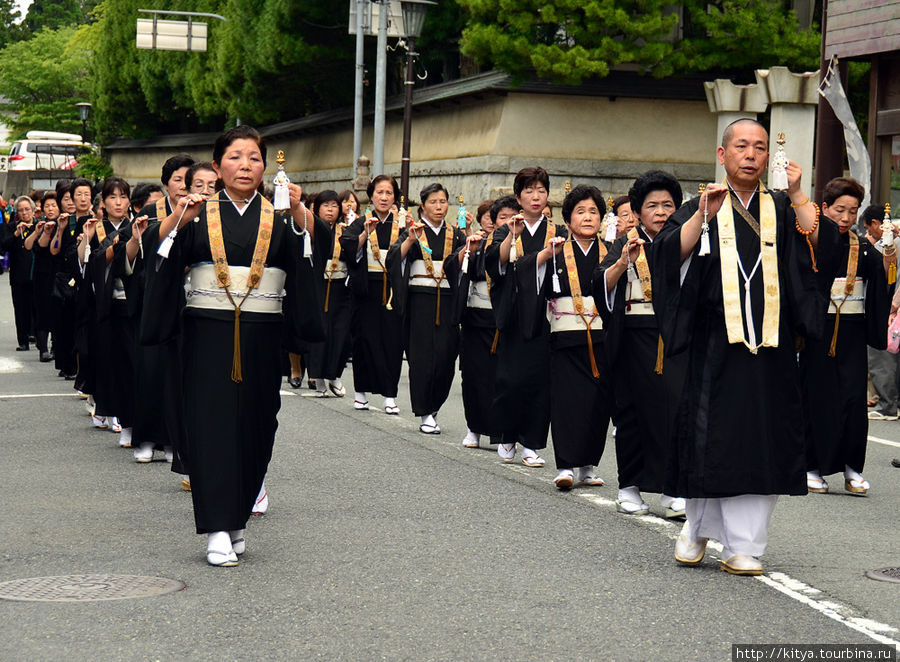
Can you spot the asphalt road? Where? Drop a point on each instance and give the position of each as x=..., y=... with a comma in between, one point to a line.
x=383, y=543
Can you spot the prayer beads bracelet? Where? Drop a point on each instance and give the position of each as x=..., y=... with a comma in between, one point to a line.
x=807, y=233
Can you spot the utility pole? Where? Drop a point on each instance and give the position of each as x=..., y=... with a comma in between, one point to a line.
x=358, y=87
x=380, y=85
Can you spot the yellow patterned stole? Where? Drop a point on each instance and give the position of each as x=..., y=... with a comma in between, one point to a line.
x=429, y=265
x=161, y=211
x=335, y=258
x=101, y=232
x=852, y=266
x=728, y=263
x=643, y=271
x=487, y=277
x=578, y=299
x=220, y=264
x=376, y=255
x=551, y=232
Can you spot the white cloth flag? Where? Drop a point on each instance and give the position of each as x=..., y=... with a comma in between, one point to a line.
x=857, y=154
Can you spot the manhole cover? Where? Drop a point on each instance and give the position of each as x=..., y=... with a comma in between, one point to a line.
x=885, y=575
x=87, y=588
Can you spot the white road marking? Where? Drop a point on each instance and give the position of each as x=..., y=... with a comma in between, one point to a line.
x=10, y=365
x=884, y=442
x=785, y=584
x=37, y=395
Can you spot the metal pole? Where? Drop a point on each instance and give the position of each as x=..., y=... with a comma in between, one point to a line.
x=829, y=130
x=358, y=88
x=380, y=85
x=409, y=83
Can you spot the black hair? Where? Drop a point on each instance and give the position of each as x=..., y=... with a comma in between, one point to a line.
x=840, y=186
x=142, y=193
x=345, y=195
x=79, y=182
x=370, y=189
x=431, y=189
x=113, y=184
x=653, y=180
x=175, y=163
x=326, y=196
x=872, y=214
x=618, y=202
x=63, y=186
x=578, y=194
x=529, y=177
x=199, y=165
x=242, y=131
x=506, y=202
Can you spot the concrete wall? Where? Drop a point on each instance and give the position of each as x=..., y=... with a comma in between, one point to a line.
x=475, y=146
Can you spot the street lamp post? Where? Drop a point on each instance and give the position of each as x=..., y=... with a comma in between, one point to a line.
x=84, y=113
x=414, y=12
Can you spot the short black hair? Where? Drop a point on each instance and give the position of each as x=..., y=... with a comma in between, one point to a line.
x=431, y=189
x=872, y=214
x=529, y=177
x=506, y=202
x=370, y=189
x=63, y=186
x=578, y=194
x=175, y=163
x=79, y=182
x=326, y=196
x=242, y=131
x=113, y=184
x=653, y=180
x=142, y=193
x=840, y=186
x=618, y=202
x=199, y=165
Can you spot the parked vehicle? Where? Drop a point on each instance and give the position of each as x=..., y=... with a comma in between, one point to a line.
x=46, y=150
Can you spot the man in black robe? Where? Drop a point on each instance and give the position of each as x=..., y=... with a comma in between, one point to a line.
x=736, y=301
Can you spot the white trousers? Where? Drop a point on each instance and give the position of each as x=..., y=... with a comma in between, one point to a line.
x=740, y=523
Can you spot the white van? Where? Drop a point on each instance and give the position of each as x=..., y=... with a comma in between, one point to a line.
x=46, y=150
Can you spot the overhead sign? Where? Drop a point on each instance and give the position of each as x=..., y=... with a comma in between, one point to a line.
x=165, y=35
x=370, y=18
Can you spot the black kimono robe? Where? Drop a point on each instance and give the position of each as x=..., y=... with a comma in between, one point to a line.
x=376, y=331
x=740, y=425
x=44, y=308
x=113, y=341
x=645, y=402
x=579, y=428
x=85, y=321
x=230, y=426
x=65, y=284
x=432, y=339
x=327, y=359
x=834, y=387
x=477, y=364
x=522, y=388
x=21, y=265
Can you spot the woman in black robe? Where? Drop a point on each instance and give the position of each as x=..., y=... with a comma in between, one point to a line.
x=376, y=326
x=232, y=359
x=21, y=262
x=44, y=271
x=555, y=286
x=65, y=282
x=114, y=331
x=328, y=358
x=422, y=297
x=834, y=368
x=647, y=388
x=478, y=328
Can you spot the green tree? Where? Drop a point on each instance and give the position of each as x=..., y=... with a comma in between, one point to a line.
x=40, y=81
x=10, y=30
x=54, y=14
x=570, y=40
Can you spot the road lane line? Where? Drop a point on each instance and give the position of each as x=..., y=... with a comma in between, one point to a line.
x=11, y=396
x=884, y=442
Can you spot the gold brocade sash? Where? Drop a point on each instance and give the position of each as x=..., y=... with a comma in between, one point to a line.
x=335, y=258
x=643, y=271
x=728, y=263
x=551, y=232
x=101, y=232
x=161, y=211
x=429, y=265
x=220, y=264
x=376, y=255
x=487, y=277
x=852, y=266
x=578, y=299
